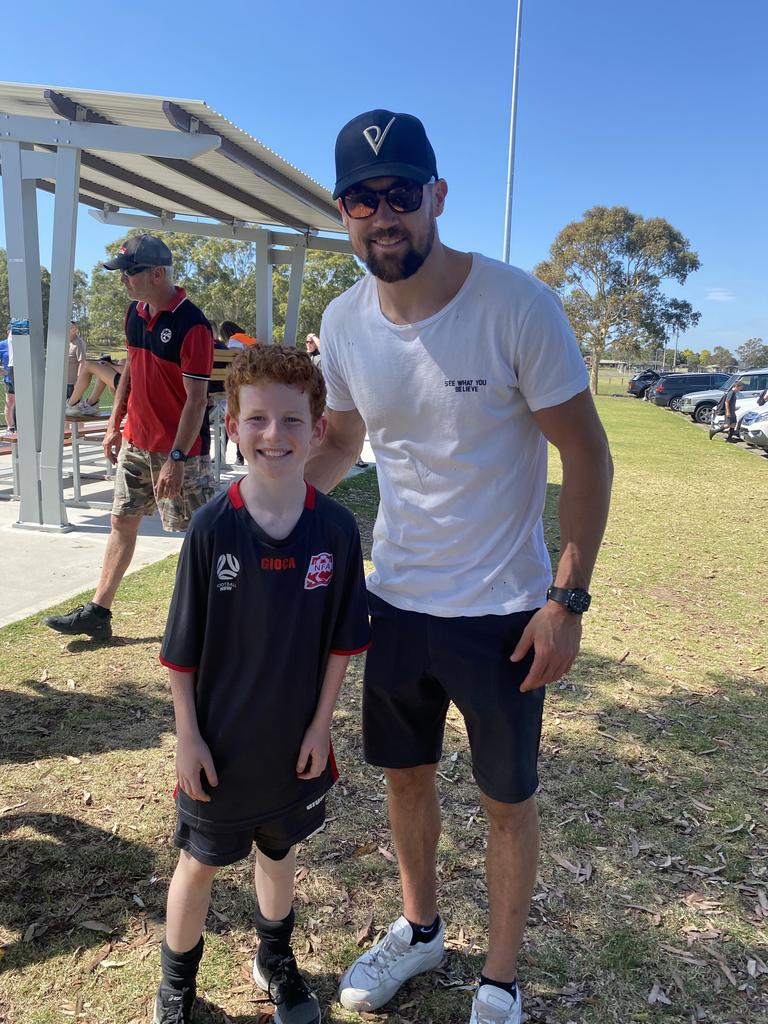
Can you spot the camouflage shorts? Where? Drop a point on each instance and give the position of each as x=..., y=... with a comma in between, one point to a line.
x=136, y=479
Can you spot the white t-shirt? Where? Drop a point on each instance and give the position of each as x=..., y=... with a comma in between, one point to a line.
x=462, y=464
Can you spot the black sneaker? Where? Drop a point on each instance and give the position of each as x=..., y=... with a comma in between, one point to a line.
x=361, y=465
x=294, y=1000
x=83, y=619
x=173, y=1005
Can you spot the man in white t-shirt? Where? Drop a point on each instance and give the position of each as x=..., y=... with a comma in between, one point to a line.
x=460, y=369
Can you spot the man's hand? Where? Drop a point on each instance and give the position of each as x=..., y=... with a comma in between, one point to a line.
x=192, y=757
x=555, y=635
x=170, y=479
x=113, y=438
x=313, y=755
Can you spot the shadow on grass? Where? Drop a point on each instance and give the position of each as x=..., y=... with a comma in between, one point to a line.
x=49, y=722
x=80, y=646
x=58, y=872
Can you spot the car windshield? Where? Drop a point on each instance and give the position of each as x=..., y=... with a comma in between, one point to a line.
x=726, y=384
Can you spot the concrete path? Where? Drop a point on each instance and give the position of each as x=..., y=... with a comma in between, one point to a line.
x=38, y=569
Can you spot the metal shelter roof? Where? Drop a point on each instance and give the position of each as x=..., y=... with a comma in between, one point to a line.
x=138, y=161
x=241, y=181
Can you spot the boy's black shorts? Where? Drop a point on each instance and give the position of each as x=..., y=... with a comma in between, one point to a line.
x=273, y=838
x=419, y=663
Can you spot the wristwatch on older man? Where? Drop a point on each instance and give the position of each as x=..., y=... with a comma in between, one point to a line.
x=575, y=599
x=177, y=455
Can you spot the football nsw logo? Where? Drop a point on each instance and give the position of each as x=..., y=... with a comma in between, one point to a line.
x=165, y=335
x=320, y=571
x=227, y=568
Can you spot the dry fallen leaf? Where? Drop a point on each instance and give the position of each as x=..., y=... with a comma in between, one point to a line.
x=658, y=995
x=364, y=933
x=366, y=848
x=96, y=926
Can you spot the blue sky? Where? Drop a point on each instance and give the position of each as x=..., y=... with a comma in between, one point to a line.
x=659, y=106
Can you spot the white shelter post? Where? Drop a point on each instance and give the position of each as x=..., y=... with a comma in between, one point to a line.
x=263, y=288
x=26, y=303
x=295, y=278
x=57, y=350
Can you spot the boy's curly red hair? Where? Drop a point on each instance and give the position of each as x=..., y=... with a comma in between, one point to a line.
x=280, y=365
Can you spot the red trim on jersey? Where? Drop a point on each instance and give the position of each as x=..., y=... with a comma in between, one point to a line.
x=236, y=498
x=176, y=668
x=348, y=654
x=332, y=762
x=234, y=495
x=175, y=791
x=142, y=308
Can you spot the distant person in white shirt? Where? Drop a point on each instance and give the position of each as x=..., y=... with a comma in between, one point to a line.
x=9, y=385
x=461, y=369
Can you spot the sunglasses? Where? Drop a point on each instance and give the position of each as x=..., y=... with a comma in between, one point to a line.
x=133, y=271
x=402, y=197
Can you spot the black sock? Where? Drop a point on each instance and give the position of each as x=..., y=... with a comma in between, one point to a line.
x=424, y=932
x=274, y=937
x=99, y=610
x=508, y=986
x=180, y=969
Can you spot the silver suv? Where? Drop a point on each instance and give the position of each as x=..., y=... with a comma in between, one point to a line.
x=699, y=404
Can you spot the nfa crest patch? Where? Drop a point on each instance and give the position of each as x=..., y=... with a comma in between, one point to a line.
x=320, y=571
x=165, y=335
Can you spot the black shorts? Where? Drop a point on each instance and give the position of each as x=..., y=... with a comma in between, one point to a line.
x=8, y=381
x=273, y=838
x=419, y=663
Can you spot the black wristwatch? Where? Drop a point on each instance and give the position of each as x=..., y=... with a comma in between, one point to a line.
x=177, y=455
x=575, y=599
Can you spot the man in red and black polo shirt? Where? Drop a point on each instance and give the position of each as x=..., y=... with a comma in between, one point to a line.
x=162, y=450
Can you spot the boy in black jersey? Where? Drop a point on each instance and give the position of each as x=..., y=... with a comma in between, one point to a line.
x=269, y=605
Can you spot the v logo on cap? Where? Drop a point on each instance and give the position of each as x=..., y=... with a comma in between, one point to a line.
x=374, y=136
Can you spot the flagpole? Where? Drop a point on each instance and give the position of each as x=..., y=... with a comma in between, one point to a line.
x=512, y=129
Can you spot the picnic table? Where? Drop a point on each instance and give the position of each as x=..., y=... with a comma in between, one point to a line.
x=77, y=429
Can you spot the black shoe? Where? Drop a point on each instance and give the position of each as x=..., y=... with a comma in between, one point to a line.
x=294, y=1000
x=361, y=465
x=173, y=1005
x=83, y=619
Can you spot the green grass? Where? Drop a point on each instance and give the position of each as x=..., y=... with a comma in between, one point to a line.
x=654, y=773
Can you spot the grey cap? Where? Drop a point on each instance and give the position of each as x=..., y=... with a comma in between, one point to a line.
x=141, y=251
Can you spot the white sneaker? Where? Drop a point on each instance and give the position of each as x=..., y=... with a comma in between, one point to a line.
x=374, y=977
x=82, y=408
x=493, y=1005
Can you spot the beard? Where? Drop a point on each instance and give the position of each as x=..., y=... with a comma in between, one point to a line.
x=398, y=266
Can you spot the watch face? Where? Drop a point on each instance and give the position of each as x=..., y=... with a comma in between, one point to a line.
x=579, y=601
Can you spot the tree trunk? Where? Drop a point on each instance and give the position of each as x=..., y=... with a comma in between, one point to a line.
x=598, y=351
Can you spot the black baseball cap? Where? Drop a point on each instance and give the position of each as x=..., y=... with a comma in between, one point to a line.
x=380, y=144
x=141, y=251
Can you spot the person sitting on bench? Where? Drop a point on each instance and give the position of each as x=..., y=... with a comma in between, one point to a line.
x=107, y=375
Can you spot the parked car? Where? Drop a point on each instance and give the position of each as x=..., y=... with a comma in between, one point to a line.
x=699, y=404
x=669, y=389
x=744, y=407
x=639, y=384
x=754, y=428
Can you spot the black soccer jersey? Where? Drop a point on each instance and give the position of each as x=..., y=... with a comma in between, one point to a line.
x=256, y=618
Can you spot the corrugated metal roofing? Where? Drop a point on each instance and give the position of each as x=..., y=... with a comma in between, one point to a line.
x=243, y=180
